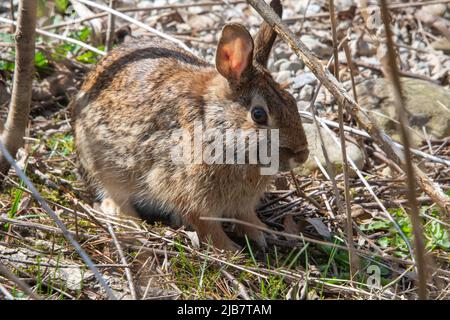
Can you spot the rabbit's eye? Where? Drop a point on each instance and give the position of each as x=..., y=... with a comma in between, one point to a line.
x=259, y=115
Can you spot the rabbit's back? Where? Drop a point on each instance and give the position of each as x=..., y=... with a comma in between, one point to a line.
x=128, y=104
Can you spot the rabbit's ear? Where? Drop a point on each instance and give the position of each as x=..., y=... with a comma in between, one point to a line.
x=234, y=52
x=266, y=37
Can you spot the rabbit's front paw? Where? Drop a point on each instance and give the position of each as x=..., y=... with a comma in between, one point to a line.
x=109, y=207
x=253, y=234
x=252, y=229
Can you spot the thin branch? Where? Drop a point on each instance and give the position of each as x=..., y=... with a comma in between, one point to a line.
x=111, y=27
x=136, y=22
x=372, y=193
x=361, y=133
x=349, y=229
x=19, y=106
x=149, y=8
x=392, y=72
x=334, y=38
x=362, y=253
x=124, y=261
x=11, y=15
x=242, y=290
x=22, y=285
x=57, y=36
x=349, y=59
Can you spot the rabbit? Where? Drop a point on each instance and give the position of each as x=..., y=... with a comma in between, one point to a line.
x=141, y=90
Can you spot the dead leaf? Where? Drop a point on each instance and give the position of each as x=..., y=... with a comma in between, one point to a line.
x=359, y=213
x=320, y=227
x=298, y=291
x=192, y=235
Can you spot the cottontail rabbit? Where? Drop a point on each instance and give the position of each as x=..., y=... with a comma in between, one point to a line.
x=143, y=90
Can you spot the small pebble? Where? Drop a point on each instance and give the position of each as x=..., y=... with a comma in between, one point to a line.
x=283, y=76
x=302, y=80
x=281, y=53
x=279, y=62
x=306, y=93
x=291, y=66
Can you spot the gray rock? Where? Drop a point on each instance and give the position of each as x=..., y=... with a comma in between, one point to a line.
x=281, y=53
x=74, y=277
x=343, y=4
x=426, y=103
x=304, y=79
x=436, y=9
x=354, y=152
x=316, y=46
x=442, y=44
x=306, y=93
x=301, y=5
x=283, y=76
x=200, y=21
x=293, y=66
x=279, y=62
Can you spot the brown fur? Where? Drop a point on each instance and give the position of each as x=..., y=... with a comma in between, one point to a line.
x=142, y=90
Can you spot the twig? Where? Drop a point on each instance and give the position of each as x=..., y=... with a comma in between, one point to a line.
x=416, y=4
x=111, y=26
x=349, y=229
x=334, y=38
x=56, y=36
x=124, y=261
x=134, y=9
x=361, y=133
x=370, y=189
x=379, y=68
x=301, y=193
x=22, y=285
x=242, y=291
x=58, y=222
x=343, y=98
x=136, y=22
x=349, y=59
x=6, y=293
x=304, y=17
x=11, y=15
x=360, y=252
x=392, y=72
x=331, y=173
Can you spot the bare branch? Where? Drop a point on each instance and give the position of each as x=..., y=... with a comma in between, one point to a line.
x=111, y=27
x=57, y=36
x=393, y=74
x=19, y=107
x=349, y=229
x=22, y=285
x=123, y=260
x=136, y=22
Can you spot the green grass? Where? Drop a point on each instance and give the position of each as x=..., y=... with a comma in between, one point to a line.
x=436, y=236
